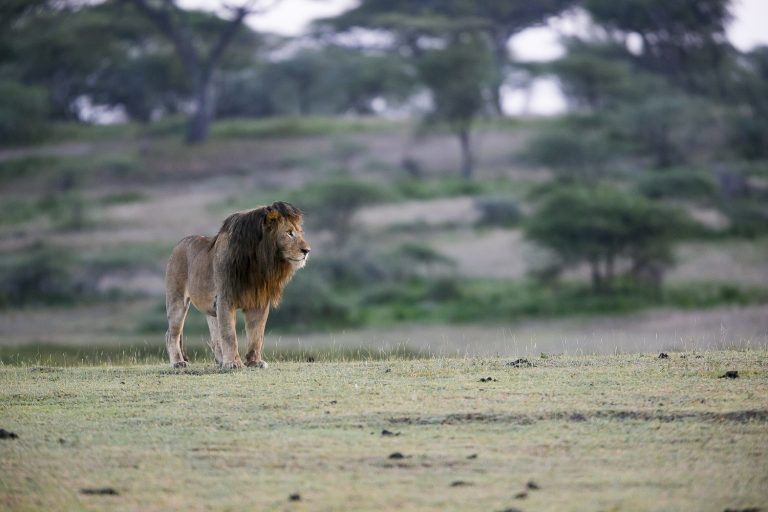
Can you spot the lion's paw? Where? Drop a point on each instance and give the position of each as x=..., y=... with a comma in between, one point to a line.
x=257, y=364
x=232, y=365
x=179, y=364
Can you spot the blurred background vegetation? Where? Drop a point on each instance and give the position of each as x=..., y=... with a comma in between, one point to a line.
x=128, y=124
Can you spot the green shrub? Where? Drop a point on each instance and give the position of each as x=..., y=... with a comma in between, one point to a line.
x=498, y=211
x=744, y=195
x=443, y=290
x=668, y=129
x=310, y=301
x=413, y=255
x=345, y=150
x=748, y=218
x=126, y=197
x=332, y=204
x=21, y=168
x=340, y=194
x=572, y=154
x=679, y=184
x=599, y=225
x=42, y=275
x=23, y=111
x=749, y=136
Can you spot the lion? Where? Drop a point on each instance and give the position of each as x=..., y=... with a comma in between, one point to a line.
x=245, y=266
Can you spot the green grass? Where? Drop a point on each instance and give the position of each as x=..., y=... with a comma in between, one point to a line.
x=67, y=131
x=629, y=432
x=58, y=355
x=62, y=132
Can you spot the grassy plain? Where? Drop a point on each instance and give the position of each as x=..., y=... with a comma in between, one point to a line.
x=626, y=432
x=102, y=424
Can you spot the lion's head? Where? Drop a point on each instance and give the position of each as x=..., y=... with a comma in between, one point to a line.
x=260, y=251
x=285, y=220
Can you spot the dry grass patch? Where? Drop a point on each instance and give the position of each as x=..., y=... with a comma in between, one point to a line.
x=630, y=432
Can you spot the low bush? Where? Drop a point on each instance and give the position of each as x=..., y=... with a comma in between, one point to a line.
x=42, y=275
x=498, y=212
x=678, y=183
x=24, y=168
x=572, y=155
x=310, y=302
x=23, y=111
x=748, y=218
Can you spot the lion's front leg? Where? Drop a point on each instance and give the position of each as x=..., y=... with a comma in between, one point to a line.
x=225, y=314
x=255, y=322
x=215, y=340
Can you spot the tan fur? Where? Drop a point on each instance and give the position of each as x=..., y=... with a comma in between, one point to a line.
x=245, y=266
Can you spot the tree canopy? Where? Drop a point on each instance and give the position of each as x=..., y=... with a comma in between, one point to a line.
x=601, y=226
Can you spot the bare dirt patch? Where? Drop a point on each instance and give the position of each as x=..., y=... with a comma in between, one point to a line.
x=434, y=212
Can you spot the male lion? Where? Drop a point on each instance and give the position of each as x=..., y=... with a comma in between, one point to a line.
x=245, y=266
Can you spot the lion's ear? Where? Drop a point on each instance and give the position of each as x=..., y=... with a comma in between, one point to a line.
x=272, y=216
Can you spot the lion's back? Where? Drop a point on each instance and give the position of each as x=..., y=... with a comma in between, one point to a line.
x=189, y=264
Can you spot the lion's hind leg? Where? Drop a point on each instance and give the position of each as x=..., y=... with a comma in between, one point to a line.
x=176, y=311
x=215, y=340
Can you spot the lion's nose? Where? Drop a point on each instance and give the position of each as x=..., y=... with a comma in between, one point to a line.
x=306, y=250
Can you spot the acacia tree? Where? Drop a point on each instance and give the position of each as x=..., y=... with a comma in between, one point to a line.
x=457, y=76
x=502, y=19
x=199, y=65
x=445, y=45
x=414, y=22
x=685, y=40
x=602, y=226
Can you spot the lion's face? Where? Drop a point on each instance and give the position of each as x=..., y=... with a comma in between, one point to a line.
x=291, y=244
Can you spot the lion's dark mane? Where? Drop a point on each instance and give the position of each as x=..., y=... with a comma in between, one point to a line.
x=254, y=273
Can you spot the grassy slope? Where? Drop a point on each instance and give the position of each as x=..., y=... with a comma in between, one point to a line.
x=595, y=433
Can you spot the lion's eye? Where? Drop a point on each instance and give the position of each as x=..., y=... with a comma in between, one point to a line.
x=291, y=234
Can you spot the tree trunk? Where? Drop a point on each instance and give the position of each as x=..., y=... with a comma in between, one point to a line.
x=501, y=59
x=199, y=68
x=205, y=101
x=496, y=102
x=467, y=161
